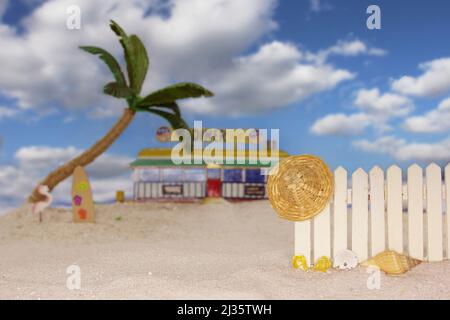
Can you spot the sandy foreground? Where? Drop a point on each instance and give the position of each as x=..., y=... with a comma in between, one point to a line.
x=181, y=251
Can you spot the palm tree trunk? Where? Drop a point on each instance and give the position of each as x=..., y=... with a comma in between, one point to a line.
x=66, y=170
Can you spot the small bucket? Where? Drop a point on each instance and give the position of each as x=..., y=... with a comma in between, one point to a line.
x=120, y=196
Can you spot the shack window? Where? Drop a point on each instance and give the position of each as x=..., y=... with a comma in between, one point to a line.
x=193, y=175
x=254, y=176
x=232, y=175
x=149, y=174
x=172, y=174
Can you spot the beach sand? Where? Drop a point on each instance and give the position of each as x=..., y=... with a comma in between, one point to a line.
x=181, y=251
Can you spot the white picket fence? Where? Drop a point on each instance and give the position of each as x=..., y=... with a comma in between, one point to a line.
x=377, y=214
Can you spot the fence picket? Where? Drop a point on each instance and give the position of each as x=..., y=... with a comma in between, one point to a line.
x=322, y=234
x=340, y=210
x=360, y=214
x=434, y=212
x=415, y=212
x=447, y=207
x=395, y=209
x=377, y=211
x=303, y=239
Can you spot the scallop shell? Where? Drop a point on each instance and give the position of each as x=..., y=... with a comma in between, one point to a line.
x=322, y=264
x=345, y=260
x=392, y=263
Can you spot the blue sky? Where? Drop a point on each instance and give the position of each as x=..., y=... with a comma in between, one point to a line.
x=334, y=88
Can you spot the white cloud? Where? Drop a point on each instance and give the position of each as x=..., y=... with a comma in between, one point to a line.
x=319, y=5
x=382, y=105
x=434, y=81
x=354, y=48
x=43, y=157
x=388, y=144
x=191, y=40
x=42, y=67
x=7, y=113
x=346, y=48
x=376, y=110
x=108, y=174
x=341, y=124
x=437, y=120
x=40, y=156
x=402, y=150
x=267, y=80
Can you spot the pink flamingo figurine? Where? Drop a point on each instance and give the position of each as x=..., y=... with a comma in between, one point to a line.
x=39, y=206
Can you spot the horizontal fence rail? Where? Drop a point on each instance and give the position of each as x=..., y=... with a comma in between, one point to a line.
x=379, y=212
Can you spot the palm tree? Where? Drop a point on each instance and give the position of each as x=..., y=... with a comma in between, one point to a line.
x=161, y=102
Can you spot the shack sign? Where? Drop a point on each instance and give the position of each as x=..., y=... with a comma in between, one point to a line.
x=259, y=191
x=173, y=190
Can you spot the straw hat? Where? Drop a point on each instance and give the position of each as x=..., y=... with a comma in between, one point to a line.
x=300, y=187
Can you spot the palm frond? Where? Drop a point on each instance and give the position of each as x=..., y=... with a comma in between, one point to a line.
x=175, y=121
x=135, y=56
x=172, y=106
x=175, y=92
x=109, y=60
x=139, y=65
x=117, y=90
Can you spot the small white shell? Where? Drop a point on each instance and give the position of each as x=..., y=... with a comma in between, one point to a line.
x=345, y=260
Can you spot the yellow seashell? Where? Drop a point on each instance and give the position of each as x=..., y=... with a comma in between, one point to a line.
x=392, y=263
x=299, y=262
x=322, y=264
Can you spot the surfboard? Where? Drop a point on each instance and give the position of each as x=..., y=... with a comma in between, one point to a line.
x=82, y=202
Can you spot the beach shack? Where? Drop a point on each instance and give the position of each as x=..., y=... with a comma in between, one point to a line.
x=156, y=177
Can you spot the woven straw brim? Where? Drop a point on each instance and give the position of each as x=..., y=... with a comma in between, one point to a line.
x=300, y=187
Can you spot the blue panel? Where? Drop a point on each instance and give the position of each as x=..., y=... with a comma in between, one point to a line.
x=172, y=175
x=195, y=174
x=149, y=174
x=232, y=175
x=254, y=176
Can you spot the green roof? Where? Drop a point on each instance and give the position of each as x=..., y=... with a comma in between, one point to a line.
x=169, y=163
